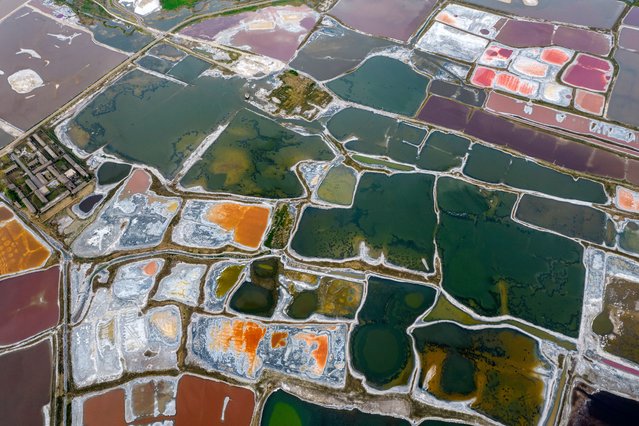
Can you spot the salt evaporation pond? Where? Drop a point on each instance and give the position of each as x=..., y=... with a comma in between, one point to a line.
x=88, y=203
x=28, y=305
x=271, y=31
x=528, y=141
x=155, y=121
x=338, y=187
x=589, y=13
x=254, y=156
x=571, y=220
x=25, y=384
x=498, y=371
x=624, y=98
x=110, y=172
x=384, y=83
x=370, y=133
x=282, y=408
x=5, y=138
x=397, y=20
x=333, y=50
x=64, y=68
x=380, y=347
x=496, y=266
x=391, y=216
x=494, y=166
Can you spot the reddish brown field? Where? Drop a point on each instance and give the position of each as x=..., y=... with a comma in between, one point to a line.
x=105, y=409
x=25, y=385
x=28, y=305
x=201, y=402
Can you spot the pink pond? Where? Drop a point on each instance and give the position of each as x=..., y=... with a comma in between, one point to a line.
x=496, y=56
x=525, y=34
x=26, y=377
x=514, y=84
x=273, y=31
x=632, y=18
x=589, y=72
x=555, y=56
x=483, y=77
x=397, y=19
x=583, y=40
x=28, y=305
x=629, y=38
x=552, y=117
x=590, y=102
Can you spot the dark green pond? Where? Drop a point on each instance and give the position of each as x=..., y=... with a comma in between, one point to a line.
x=493, y=166
x=496, y=266
x=571, y=220
x=111, y=172
x=284, y=409
x=259, y=295
x=254, y=156
x=393, y=215
x=380, y=347
x=383, y=83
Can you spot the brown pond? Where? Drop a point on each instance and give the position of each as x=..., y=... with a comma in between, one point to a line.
x=207, y=402
x=25, y=385
x=105, y=409
x=28, y=305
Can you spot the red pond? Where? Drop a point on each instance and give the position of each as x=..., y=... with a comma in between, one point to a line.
x=28, y=305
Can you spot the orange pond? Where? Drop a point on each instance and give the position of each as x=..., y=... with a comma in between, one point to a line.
x=245, y=336
x=19, y=248
x=248, y=223
x=320, y=353
x=627, y=200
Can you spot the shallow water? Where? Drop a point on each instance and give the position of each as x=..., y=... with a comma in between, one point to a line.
x=383, y=83
x=334, y=50
x=147, y=119
x=254, y=156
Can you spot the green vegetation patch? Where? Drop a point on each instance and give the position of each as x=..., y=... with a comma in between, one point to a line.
x=175, y=4
x=299, y=95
